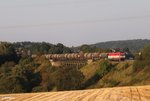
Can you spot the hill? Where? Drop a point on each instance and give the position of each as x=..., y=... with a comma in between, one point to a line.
x=133, y=45
x=103, y=74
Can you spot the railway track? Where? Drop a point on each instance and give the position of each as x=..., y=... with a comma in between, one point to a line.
x=137, y=93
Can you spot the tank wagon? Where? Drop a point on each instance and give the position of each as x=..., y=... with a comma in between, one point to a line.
x=76, y=56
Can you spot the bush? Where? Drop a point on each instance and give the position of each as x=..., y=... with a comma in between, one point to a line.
x=105, y=67
x=112, y=83
x=37, y=89
x=126, y=65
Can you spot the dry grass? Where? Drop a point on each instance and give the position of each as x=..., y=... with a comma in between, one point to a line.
x=90, y=70
x=139, y=93
x=123, y=75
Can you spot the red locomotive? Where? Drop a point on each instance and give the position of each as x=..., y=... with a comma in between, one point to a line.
x=116, y=56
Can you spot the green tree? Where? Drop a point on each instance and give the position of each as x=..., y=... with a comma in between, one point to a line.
x=59, y=49
x=142, y=60
x=88, y=48
x=7, y=52
x=26, y=70
x=12, y=84
x=7, y=67
x=67, y=78
x=45, y=70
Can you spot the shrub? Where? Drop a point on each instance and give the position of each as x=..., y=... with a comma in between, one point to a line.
x=105, y=67
x=112, y=83
x=126, y=65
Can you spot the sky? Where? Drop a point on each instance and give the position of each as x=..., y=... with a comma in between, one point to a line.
x=74, y=22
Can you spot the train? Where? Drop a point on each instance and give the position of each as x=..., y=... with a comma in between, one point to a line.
x=118, y=56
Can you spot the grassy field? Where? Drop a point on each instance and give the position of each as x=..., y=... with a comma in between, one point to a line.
x=137, y=93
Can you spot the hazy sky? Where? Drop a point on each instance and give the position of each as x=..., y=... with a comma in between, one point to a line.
x=74, y=22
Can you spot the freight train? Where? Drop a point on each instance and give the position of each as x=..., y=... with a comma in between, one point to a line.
x=86, y=56
x=117, y=56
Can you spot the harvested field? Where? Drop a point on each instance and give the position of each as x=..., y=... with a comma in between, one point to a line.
x=139, y=93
